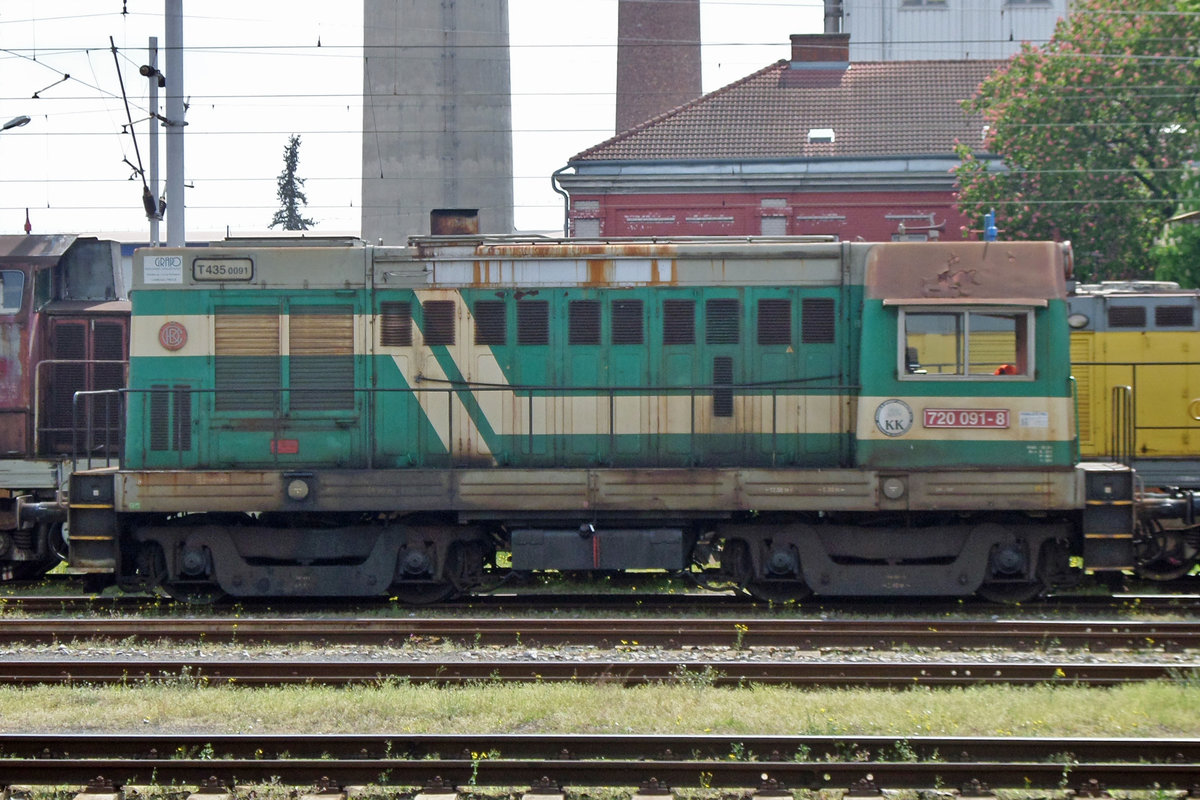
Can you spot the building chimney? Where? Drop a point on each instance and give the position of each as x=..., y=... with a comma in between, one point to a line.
x=833, y=16
x=454, y=221
x=658, y=58
x=824, y=49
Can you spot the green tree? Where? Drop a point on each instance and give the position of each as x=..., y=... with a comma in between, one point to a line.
x=291, y=191
x=1088, y=137
x=1178, y=254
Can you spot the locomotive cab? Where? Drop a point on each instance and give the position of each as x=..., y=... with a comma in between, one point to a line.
x=63, y=329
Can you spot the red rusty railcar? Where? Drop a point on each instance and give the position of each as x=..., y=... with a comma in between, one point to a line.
x=64, y=328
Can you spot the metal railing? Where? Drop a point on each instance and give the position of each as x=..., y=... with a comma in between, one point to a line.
x=463, y=405
x=43, y=432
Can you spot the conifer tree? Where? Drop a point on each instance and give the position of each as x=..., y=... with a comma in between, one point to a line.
x=291, y=191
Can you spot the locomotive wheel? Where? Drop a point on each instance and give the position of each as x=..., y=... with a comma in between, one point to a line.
x=737, y=563
x=1164, y=555
x=32, y=570
x=1011, y=592
x=195, y=594
x=420, y=593
x=778, y=591
x=463, y=570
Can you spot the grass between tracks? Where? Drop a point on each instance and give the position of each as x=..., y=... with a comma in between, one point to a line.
x=687, y=705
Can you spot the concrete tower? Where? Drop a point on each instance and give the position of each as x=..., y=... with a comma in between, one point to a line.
x=658, y=58
x=437, y=115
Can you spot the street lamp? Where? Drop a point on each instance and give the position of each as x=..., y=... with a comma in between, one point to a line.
x=15, y=122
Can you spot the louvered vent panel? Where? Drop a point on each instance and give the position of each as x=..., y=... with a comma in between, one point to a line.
x=395, y=321
x=321, y=358
x=69, y=344
x=722, y=376
x=1081, y=353
x=439, y=322
x=721, y=326
x=170, y=418
x=1173, y=316
x=584, y=322
x=533, y=322
x=1127, y=317
x=181, y=432
x=160, y=417
x=491, y=322
x=247, y=333
x=70, y=341
x=817, y=320
x=775, y=321
x=246, y=359
x=679, y=322
x=108, y=344
x=328, y=331
x=627, y=322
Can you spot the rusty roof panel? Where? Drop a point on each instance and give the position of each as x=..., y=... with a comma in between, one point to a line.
x=42, y=247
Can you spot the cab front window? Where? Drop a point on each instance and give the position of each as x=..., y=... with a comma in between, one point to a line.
x=967, y=343
x=12, y=289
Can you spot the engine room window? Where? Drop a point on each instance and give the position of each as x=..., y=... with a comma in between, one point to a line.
x=977, y=343
x=12, y=289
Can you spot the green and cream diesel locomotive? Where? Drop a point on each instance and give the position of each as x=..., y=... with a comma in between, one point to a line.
x=795, y=415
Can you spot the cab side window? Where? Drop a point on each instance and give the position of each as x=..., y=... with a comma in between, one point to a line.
x=974, y=343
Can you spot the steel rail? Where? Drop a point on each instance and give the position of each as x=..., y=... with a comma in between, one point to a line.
x=484, y=771
x=273, y=672
x=621, y=601
x=649, y=747
x=613, y=632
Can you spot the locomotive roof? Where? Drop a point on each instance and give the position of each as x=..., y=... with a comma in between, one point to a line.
x=42, y=248
x=1009, y=272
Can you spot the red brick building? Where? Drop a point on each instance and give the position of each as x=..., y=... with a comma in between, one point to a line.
x=811, y=145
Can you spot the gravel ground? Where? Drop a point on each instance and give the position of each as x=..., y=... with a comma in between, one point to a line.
x=423, y=652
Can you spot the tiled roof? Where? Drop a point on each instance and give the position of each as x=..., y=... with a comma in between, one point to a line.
x=881, y=108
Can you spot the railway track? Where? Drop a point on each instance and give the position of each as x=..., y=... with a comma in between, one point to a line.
x=634, y=603
x=618, y=632
x=828, y=674
x=547, y=763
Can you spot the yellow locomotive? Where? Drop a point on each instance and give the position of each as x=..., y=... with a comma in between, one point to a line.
x=1135, y=353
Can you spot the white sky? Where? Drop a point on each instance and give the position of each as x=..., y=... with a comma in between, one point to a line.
x=255, y=75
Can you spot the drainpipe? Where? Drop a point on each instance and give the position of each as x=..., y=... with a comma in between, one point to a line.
x=566, y=199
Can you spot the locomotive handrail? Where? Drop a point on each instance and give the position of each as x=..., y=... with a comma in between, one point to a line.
x=1122, y=424
x=111, y=453
x=279, y=415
